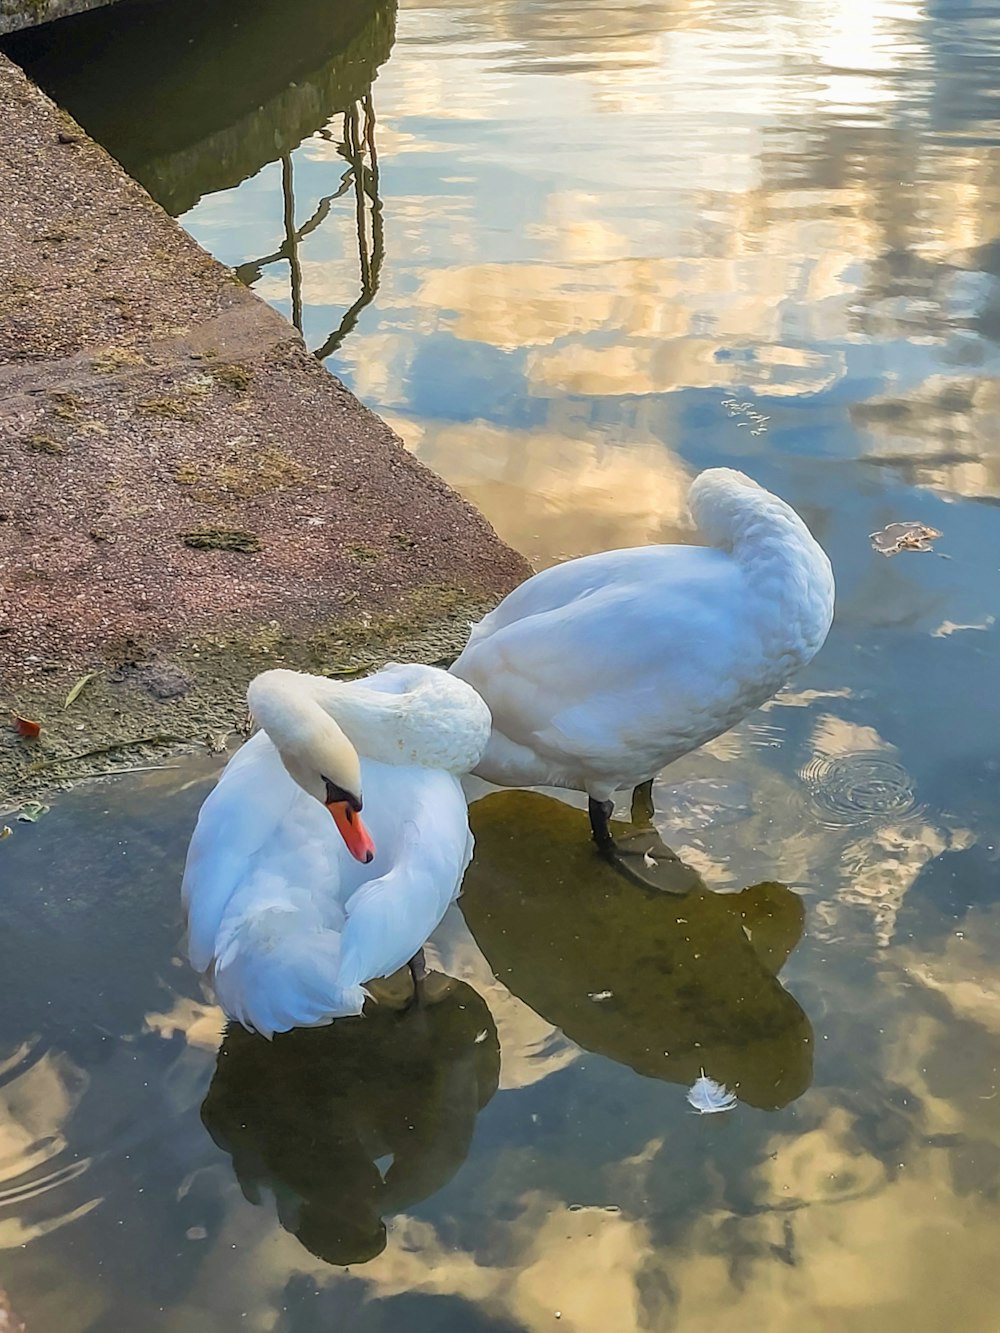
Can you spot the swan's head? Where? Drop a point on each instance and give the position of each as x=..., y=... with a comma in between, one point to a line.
x=326, y=765
x=315, y=752
x=719, y=497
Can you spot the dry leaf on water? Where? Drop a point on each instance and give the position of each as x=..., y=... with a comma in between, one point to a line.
x=903, y=537
x=32, y=811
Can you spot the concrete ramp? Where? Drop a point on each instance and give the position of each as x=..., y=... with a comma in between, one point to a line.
x=187, y=494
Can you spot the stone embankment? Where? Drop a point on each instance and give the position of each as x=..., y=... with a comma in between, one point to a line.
x=187, y=495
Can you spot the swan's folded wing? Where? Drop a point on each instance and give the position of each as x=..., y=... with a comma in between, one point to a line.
x=562, y=585
x=264, y=905
x=238, y=818
x=278, y=961
x=597, y=676
x=389, y=919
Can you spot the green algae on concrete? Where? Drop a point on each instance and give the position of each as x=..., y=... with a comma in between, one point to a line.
x=140, y=705
x=184, y=405
x=221, y=539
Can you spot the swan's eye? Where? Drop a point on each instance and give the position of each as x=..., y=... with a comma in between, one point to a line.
x=337, y=795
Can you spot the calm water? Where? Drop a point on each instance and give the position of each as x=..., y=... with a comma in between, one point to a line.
x=575, y=253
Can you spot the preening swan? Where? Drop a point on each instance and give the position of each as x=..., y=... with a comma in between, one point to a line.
x=290, y=911
x=601, y=671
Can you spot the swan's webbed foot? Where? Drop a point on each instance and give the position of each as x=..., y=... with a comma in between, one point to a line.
x=412, y=986
x=641, y=856
x=429, y=987
x=418, y=967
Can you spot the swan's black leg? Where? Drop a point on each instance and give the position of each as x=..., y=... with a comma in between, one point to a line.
x=418, y=971
x=600, y=823
x=642, y=804
x=418, y=967
x=641, y=856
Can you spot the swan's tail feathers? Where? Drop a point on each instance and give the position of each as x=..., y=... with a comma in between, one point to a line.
x=275, y=971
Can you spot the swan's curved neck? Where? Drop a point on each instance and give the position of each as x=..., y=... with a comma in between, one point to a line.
x=407, y=724
x=379, y=726
x=288, y=713
x=779, y=555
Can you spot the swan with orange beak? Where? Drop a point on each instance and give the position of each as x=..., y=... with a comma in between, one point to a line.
x=290, y=912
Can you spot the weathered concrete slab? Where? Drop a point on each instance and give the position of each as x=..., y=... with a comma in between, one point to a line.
x=17, y=14
x=257, y=79
x=186, y=493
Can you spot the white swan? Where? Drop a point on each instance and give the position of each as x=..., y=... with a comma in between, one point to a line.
x=290, y=911
x=601, y=671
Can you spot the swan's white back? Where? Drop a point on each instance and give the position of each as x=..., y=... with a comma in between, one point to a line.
x=601, y=671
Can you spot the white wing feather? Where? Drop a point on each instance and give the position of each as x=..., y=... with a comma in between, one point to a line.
x=708, y=1097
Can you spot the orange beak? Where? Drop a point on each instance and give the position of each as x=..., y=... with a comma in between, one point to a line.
x=355, y=835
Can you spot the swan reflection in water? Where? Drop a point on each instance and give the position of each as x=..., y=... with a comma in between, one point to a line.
x=350, y=1123
x=665, y=985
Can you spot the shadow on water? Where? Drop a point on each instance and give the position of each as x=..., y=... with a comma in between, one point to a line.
x=664, y=985
x=193, y=98
x=352, y=1122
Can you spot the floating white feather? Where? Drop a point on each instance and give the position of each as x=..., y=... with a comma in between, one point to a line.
x=708, y=1097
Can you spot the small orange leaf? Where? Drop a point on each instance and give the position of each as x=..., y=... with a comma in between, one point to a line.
x=25, y=727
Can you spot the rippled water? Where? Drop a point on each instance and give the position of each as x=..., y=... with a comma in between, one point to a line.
x=575, y=254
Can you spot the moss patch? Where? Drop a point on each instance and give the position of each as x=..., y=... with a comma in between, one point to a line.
x=179, y=409
x=365, y=555
x=116, y=358
x=237, y=378
x=242, y=476
x=66, y=406
x=45, y=444
x=36, y=9
x=221, y=539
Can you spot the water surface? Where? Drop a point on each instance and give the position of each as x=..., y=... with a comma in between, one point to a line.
x=574, y=254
